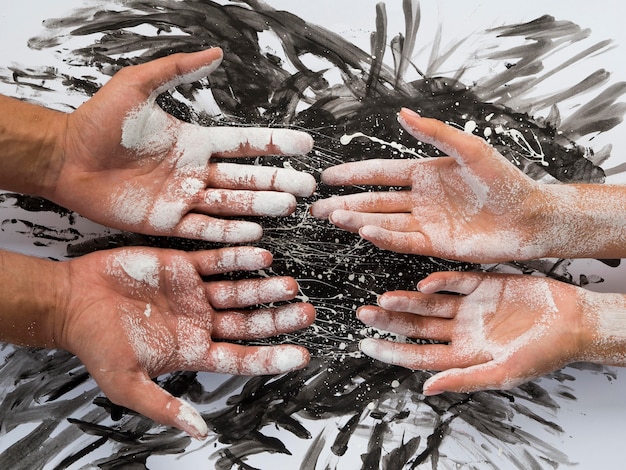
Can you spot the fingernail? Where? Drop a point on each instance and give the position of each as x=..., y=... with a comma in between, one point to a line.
x=409, y=113
x=429, y=390
x=191, y=422
x=369, y=347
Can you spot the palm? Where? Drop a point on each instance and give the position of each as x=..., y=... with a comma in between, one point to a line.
x=138, y=313
x=502, y=331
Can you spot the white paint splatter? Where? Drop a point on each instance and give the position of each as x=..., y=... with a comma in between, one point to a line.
x=346, y=139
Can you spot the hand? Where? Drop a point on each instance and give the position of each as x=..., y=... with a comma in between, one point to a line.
x=130, y=165
x=502, y=331
x=135, y=313
x=472, y=205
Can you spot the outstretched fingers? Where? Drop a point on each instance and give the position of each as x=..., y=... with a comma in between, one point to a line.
x=235, y=359
x=415, y=356
x=256, y=141
x=211, y=229
x=375, y=202
x=406, y=324
x=229, y=202
x=248, y=292
x=224, y=260
x=261, y=178
x=378, y=172
x=262, y=323
x=413, y=242
x=352, y=221
x=451, y=281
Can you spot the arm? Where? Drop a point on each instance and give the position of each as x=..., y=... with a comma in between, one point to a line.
x=502, y=331
x=122, y=161
x=31, y=138
x=132, y=314
x=473, y=205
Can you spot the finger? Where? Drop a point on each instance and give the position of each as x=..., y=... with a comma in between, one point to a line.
x=202, y=227
x=451, y=281
x=437, y=305
x=262, y=323
x=263, y=178
x=248, y=292
x=400, y=242
x=406, y=324
x=229, y=202
x=159, y=75
x=224, y=260
x=381, y=202
x=141, y=394
x=488, y=376
x=235, y=359
x=463, y=147
x=415, y=356
x=352, y=221
x=256, y=141
x=371, y=172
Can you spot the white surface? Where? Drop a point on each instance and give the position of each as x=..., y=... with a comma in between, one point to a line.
x=594, y=423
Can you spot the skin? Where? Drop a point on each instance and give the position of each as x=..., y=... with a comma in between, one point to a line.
x=127, y=329
x=501, y=331
x=79, y=160
x=472, y=205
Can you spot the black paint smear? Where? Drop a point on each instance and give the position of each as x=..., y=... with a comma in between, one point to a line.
x=337, y=271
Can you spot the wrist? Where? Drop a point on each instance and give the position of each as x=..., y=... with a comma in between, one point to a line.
x=30, y=295
x=584, y=221
x=33, y=140
x=606, y=319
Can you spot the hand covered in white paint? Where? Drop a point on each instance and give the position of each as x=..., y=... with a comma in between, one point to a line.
x=472, y=205
x=128, y=164
x=135, y=313
x=502, y=331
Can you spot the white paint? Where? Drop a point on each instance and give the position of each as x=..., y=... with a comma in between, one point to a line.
x=528, y=151
x=470, y=127
x=140, y=266
x=189, y=419
x=346, y=139
x=251, y=293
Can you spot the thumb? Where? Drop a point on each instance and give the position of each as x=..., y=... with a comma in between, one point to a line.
x=465, y=148
x=146, y=397
x=157, y=76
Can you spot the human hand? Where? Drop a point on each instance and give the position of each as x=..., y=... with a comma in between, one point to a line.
x=132, y=314
x=501, y=331
x=472, y=205
x=130, y=165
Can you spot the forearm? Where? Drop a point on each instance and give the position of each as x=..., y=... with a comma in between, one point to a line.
x=31, y=139
x=30, y=291
x=584, y=221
